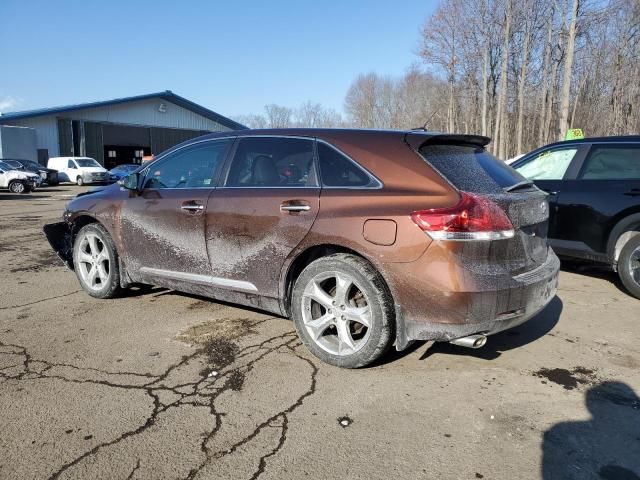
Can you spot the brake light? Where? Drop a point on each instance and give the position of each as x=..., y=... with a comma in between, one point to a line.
x=474, y=218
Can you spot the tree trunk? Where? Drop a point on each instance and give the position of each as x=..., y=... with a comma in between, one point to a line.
x=568, y=69
x=521, y=84
x=502, y=96
x=544, y=91
x=485, y=60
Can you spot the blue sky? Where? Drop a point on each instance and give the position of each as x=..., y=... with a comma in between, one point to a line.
x=232, y=57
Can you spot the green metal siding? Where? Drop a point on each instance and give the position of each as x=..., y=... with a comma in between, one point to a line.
x=65, y=137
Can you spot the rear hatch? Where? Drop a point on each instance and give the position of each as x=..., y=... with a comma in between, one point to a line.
x=464, y=162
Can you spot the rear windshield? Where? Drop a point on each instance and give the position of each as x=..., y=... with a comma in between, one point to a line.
x=471, y=168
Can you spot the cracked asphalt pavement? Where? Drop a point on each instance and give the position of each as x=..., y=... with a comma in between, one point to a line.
x=159, y=384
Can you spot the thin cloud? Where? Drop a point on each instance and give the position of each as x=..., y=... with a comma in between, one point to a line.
x=8, y=103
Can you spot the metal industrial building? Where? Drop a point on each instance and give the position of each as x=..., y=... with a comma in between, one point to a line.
x=118, y=131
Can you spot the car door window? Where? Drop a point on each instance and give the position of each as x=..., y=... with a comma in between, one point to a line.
x=612, y=163
x=273, y=162
x=548, y=165
x=70, y=164
x=337, y=170
x=190, y=167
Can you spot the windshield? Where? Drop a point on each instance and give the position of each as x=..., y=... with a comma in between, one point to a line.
x=87, y=162
x=30, y=164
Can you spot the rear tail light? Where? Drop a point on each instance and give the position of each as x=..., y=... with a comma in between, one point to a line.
x=474, y=218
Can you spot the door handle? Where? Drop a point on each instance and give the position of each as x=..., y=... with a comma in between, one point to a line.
x=550, y=192
x=192, y=207
x=295, y=206
x=634, y=192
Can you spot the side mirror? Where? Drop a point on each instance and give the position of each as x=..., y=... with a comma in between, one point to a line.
x=131, y=182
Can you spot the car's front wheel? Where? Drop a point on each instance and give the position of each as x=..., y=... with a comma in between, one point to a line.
x=18, y=187
x=343, y=310
x=80, y=181
x=629, y=266
x=95, y=261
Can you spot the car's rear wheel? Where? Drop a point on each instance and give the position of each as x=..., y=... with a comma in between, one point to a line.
x=80, y=181
x=95, y=261
x=629, y=266
x=18, y=187
x=343, y=311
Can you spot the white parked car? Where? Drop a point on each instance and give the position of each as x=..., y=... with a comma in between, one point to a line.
x=17, y=181
x=80, y=170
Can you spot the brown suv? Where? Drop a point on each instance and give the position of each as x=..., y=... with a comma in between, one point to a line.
x=365, y=238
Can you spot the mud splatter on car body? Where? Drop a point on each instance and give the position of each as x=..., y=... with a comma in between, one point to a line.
x=238, y=245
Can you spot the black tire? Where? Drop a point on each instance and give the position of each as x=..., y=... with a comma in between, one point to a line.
x=16, y=186
x=80, y=181
x=629, y=266
x=369, y=282
x=111, y=286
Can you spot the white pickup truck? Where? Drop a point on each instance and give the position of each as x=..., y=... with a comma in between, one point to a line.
x=17, y=181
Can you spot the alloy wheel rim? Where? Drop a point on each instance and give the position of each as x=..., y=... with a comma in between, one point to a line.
x=18, y=187
x=336, y=313
x=93, y=261
x=634, y=265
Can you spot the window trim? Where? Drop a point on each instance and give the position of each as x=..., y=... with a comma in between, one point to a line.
x=222, y=183
x=592, y=147
x=169, y=153
x=377, y=182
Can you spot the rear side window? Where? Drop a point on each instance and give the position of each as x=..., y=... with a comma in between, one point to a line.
x=273, y=162
x=471, y=168
x=612, y=163
x=337, y=170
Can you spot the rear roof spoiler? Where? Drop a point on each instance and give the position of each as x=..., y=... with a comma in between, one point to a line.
x=417, y=139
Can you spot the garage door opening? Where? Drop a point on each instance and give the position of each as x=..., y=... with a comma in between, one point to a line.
x=115, y=155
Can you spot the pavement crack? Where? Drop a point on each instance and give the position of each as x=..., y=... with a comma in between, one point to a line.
x=41, y=300
x=133, y=472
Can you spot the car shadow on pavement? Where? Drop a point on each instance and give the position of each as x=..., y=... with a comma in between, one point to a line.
x=515, y=337
x=606, y=446
x=594, y=271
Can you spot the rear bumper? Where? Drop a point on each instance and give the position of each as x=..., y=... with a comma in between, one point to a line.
x=485, y=302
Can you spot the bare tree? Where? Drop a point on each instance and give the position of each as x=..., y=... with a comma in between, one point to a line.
x=568, y=66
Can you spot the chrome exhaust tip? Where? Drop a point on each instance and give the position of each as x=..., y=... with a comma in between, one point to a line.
x=472, y=341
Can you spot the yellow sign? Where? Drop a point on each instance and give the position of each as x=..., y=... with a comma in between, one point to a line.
x=574, y=134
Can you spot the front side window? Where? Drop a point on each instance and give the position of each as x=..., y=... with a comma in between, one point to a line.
x=549, y=165
x=273, y=162
x=70, y=164
x=190, y=167
x=612, y=163
x=337, y=170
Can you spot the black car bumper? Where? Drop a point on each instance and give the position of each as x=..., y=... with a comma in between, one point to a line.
x=60, y=238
